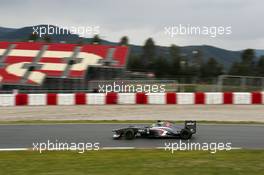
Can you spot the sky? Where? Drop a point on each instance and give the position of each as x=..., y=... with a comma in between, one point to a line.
x=141, y=19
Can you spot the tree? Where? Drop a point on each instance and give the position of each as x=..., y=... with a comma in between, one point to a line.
x=175, y=60
x=96, y=40
x=46, y=38
x=134, y=63
x=33, y=37
x=198, y=58
x=248, y=56
x=211, y=69
x=80, y=42
x=235, y=69
x=246, y=66
x=149, y=53
x=161, y=67
x=260, y=66
x=190, y=72
x=123, y=41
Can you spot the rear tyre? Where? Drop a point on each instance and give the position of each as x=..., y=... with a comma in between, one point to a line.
x=129, y=134
x=185, y=134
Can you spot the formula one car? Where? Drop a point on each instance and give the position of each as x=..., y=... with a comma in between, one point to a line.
x=160, y=129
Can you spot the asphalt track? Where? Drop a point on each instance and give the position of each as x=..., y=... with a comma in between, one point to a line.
x=22, y=136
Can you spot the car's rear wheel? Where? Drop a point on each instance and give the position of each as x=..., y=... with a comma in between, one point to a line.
x=185, y=134
x=129, y=134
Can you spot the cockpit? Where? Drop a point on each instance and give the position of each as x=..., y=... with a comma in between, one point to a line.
x=162, y=124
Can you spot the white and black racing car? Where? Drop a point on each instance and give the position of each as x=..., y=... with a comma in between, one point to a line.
x=161, y=129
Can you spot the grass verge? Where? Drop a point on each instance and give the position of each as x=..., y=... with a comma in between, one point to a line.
x=133, y=162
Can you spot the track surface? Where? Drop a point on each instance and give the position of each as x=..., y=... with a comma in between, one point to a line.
x=22, y=136
x=136, y=112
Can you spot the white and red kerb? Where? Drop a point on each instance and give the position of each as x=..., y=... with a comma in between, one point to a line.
x=198, y=98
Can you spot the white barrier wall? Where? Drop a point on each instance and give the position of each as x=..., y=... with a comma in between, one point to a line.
x=242, y=98
x=214, y=98
x=157, y=98
x=126, y=98
x=37, y=99
x=7, y=100
x=66, y=99
x=185, y=98
x=95, y=99
x=210, y=98
x=262, y=97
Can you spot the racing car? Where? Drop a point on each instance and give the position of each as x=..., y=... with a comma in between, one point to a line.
x=160, y=129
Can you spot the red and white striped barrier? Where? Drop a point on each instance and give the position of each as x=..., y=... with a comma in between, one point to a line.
x=207, y=98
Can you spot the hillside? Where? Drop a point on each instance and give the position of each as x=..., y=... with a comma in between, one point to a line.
x=225, y=57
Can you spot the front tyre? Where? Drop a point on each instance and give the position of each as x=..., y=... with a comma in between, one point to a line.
x=129, y=134
x=185, y=134
x=116, y=136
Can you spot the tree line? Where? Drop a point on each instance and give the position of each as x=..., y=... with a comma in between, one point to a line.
x=175, y=64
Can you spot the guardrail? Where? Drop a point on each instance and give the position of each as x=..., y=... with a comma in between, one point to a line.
x=202, y=98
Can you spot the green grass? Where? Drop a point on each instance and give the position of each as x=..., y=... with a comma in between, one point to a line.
x=132, y=162
x=116, y=121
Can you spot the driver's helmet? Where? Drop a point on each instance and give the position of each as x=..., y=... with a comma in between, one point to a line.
x=160, y=123
x=167, y=124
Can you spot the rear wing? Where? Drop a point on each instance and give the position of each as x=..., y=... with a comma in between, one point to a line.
x=190, y=125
